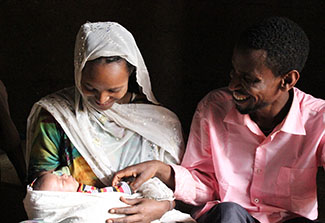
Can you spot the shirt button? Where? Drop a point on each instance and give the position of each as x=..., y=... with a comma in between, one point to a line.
x=258, y=171
x=256, y=200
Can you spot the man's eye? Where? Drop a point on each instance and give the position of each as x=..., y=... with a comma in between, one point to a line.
x=249, y=80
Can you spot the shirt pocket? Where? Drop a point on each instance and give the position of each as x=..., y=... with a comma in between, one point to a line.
x=295, y=186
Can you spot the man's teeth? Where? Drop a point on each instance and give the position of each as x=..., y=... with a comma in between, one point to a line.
x=239, y=97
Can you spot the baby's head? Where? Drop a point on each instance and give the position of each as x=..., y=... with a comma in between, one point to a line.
x=53, y=182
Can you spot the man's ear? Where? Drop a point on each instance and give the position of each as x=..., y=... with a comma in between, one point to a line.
x=289, y=80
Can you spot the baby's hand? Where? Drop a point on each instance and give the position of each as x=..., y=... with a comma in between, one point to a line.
x=128, y=180
x=138, y=174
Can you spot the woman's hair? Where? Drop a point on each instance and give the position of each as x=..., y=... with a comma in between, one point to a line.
x=133, y=85
x=286, y=44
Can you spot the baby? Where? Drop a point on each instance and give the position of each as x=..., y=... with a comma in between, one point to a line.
x=73, y=207
x=67, y=183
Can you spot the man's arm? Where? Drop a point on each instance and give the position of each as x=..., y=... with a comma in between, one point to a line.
x=194, y=181
x=144, y=171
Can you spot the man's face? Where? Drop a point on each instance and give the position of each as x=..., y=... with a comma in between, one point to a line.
x=253, y=85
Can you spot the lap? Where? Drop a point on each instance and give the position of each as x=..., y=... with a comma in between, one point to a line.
x=229, y=212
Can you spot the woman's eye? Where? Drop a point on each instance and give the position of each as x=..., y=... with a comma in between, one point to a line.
x=114, y=90
x=87, y=88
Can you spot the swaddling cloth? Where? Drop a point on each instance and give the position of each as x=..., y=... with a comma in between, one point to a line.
x=64, y=207
x=52, y=207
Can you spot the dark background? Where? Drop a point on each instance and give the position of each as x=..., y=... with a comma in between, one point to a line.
x=186, y=44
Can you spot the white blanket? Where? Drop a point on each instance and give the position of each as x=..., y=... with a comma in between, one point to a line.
x=64, y=207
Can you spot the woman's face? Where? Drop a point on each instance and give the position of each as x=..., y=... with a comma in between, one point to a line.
x=103, y=84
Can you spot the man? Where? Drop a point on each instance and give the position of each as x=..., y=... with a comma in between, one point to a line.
x=254, y=147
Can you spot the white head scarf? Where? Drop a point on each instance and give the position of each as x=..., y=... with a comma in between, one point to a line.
x=105, y=39
x=76, y=117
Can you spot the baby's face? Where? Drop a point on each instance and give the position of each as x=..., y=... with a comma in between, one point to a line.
x=64, y=183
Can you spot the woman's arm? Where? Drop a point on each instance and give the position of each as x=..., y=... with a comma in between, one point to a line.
x=141, y=210
x=45, y=154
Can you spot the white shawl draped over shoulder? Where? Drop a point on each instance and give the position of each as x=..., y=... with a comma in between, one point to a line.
x=159, y=126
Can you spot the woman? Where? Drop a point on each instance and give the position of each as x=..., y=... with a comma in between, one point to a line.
x=103, y=124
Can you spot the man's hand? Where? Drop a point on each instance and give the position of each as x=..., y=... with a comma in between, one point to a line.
x=140, y=210
x=143, y=172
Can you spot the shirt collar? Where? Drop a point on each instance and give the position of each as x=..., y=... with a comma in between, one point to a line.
x=293, y=122
x=235, y=118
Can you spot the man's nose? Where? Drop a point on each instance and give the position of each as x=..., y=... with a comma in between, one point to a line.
x=234, y=83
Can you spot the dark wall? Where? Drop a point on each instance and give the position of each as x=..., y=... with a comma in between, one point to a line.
x=186, y=44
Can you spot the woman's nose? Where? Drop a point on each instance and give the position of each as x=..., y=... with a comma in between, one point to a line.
x=102, y=97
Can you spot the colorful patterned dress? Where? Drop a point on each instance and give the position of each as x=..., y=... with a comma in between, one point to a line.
x=52, y=150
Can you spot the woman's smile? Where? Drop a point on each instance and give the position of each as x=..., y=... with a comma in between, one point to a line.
x=106, y=105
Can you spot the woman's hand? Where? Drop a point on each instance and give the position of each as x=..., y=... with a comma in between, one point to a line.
x=143, y=172
x=140, y=210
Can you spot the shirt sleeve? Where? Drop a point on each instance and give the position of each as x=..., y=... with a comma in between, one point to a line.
x=321, y=145
x=322, y=152
x=195, y=181
x=45, y=146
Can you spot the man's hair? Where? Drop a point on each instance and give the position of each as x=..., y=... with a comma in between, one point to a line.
x=286, y=44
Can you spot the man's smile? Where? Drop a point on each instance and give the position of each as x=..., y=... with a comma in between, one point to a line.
x=239, y=97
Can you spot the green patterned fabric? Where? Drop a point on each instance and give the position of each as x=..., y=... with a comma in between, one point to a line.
x=52, y=150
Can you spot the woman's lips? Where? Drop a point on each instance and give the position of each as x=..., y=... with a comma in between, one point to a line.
x=104, y=105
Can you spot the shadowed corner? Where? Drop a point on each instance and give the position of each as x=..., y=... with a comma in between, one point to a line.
x=321, y=194
x=12, y=192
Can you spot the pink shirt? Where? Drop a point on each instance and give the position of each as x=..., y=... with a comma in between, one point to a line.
x=228, y=158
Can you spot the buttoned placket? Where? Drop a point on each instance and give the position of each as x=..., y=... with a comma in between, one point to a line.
x=258, y=173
